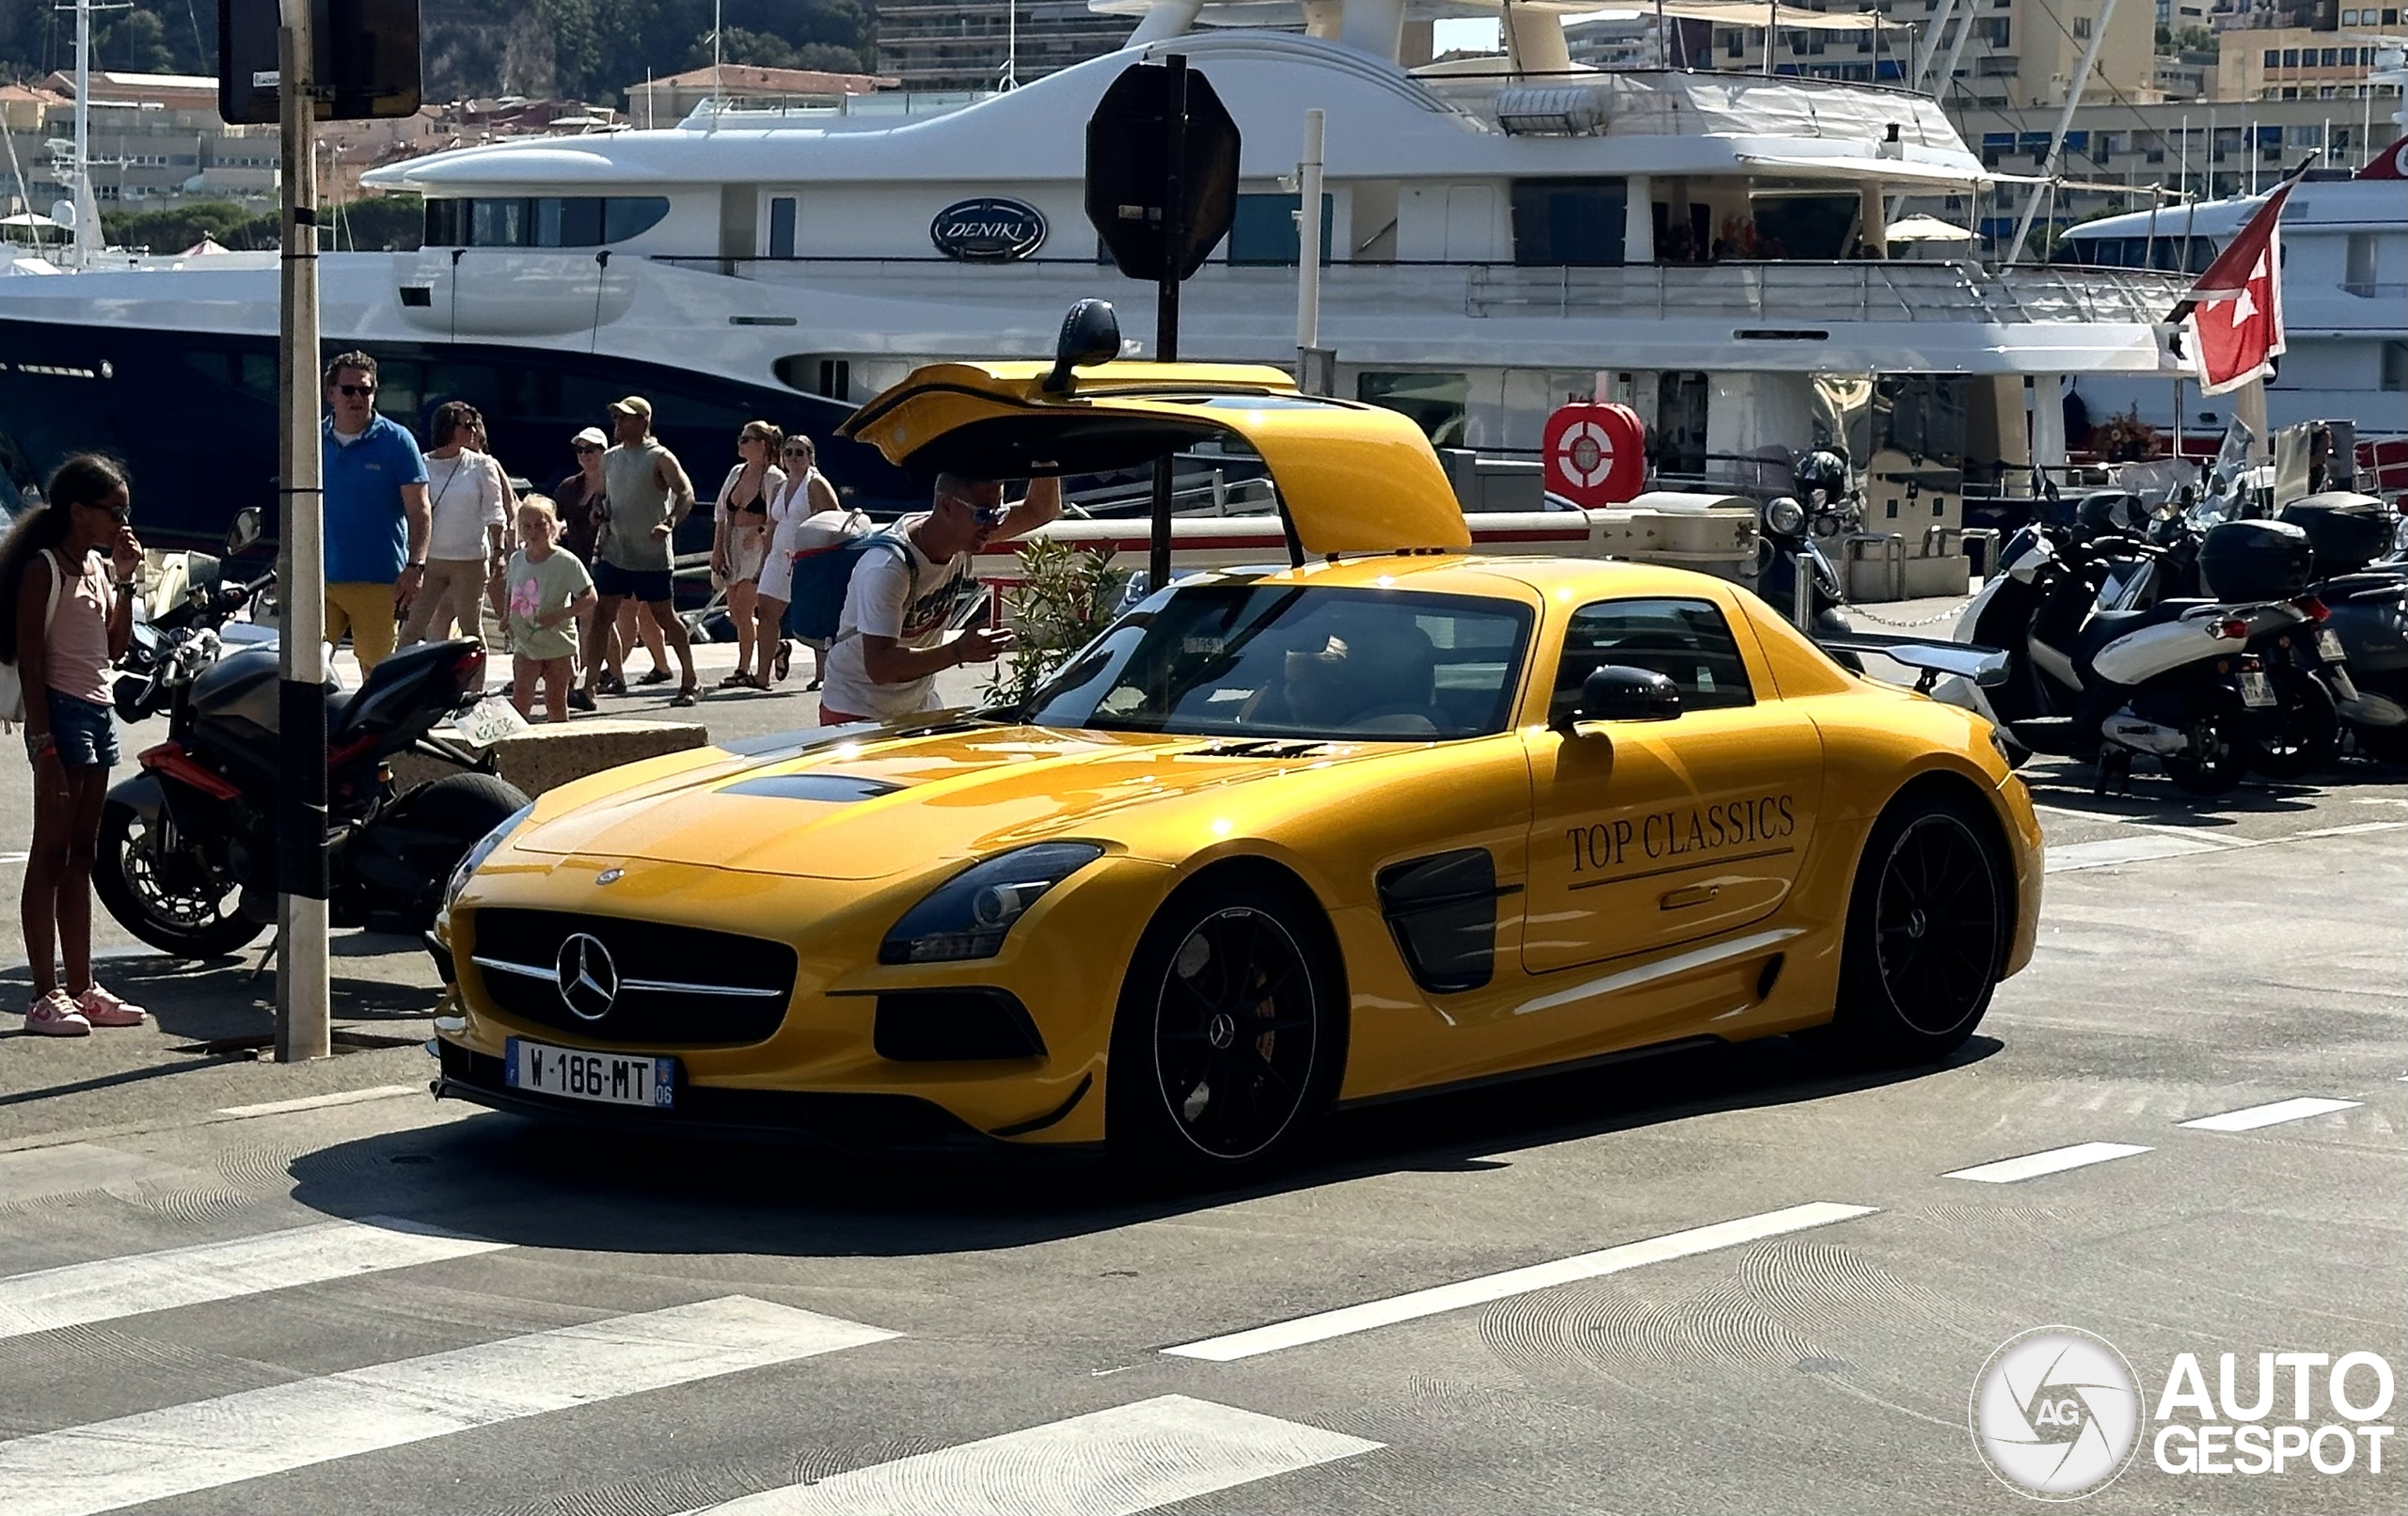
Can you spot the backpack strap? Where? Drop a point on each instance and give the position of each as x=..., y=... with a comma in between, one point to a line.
x=57, y=581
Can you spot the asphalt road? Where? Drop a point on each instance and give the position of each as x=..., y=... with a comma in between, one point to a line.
x=383, y=1305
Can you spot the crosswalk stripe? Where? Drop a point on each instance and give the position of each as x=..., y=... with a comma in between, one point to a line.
x=111, y=1288
x=2110, y=851
x=1496, y=1286
x=2253, y=1117
x=2056, y=1161
x=1116, y=1463
x=82, y=1471
x=313, y=1102
x=72, y=1168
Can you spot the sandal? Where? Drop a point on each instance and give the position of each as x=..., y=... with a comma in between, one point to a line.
x=785, y=663
x=610, y=683
x=657, y=676
x=687, y=695
x=738, y=680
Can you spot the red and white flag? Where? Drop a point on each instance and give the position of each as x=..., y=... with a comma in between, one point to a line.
x=2232, y=319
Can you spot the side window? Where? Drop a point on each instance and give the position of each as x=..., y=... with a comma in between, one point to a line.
x=1684, y=641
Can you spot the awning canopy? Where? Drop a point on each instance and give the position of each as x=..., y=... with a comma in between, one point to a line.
x=1927, y=228
x=1860, y=167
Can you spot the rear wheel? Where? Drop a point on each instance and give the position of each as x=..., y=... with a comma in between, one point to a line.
x=2303, y=733
x=2216, y=755
x=1223, y=1046
x=1926, y=931
x=452, y=814
x=163, y=889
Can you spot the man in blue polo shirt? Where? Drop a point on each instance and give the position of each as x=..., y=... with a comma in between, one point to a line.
x=376, y=516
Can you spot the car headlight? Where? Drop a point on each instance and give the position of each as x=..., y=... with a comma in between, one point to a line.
x=1784, y=516
x=969, y=915
x=484, y=849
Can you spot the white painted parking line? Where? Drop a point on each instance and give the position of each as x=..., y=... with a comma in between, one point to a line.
x=2113, y=850
x=2356, y=828
x=71, y=1168
x=1441, y=1297
x=1117, y=1462
x=82, y=1471
x=313, y=1102
x=110, y=1289
x=2056, y=1161
x=2256, y=1116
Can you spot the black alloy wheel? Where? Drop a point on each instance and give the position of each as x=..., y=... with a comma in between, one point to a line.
x=1222, y=1048
x=1926, y=933
x=162, y=890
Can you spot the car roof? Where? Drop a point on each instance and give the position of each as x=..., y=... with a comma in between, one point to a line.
x=1535, y=577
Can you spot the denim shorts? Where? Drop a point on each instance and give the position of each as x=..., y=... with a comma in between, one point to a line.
x=86, y=733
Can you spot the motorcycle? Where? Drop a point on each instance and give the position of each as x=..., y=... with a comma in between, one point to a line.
x=2172, y=680
x=188, y=855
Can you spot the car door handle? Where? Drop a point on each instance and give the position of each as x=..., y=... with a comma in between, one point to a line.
x=1695, y=894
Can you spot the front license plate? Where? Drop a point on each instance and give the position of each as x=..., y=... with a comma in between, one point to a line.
x=607, y=1078
x=2256, y=690
x=2328, y=645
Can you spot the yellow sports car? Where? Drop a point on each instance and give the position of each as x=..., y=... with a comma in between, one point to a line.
x=1387, y=819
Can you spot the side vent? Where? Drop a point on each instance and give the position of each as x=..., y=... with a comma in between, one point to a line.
x=1442, y=911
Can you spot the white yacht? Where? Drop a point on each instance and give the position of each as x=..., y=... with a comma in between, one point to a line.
x=2345, y=301
x=1503, y=235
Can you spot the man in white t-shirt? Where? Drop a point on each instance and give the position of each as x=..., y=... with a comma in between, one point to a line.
x=890, y=640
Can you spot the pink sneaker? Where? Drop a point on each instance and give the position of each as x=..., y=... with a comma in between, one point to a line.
x=101, y=1008
x=55, y=1016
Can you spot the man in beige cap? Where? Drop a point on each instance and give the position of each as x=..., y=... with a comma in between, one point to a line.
x=648, y=494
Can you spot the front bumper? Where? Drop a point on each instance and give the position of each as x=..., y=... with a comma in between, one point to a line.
x=856, y=1125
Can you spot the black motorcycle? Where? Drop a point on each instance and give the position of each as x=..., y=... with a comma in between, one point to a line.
x=187, y=856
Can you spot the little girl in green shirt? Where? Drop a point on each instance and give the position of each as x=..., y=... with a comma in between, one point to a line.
x=549, y=591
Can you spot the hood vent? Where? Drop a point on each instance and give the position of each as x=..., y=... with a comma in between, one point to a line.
x=1260, y=748
x=828, y=789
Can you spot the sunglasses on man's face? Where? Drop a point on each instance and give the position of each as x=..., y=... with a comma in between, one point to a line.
x=356, y=391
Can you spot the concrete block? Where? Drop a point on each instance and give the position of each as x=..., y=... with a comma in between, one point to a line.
x=1938, y=575
x=546, y=757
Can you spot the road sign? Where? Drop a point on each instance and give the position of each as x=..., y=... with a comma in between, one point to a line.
x=366, y=59
x=1127, y=183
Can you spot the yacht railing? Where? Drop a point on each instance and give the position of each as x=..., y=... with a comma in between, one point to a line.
x=1792, y=293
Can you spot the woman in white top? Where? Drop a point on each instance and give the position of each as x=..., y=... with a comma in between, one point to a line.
x=807, y=494
x=740, y=539
x=465, y=494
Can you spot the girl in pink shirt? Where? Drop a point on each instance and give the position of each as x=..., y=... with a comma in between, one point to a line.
x=79, y=544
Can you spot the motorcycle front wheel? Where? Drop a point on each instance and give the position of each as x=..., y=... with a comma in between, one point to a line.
x=164, y=894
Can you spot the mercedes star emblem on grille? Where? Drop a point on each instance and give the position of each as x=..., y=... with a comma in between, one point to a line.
x=589, y=981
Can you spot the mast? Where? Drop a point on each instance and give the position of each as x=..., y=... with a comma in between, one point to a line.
x=2065, y=119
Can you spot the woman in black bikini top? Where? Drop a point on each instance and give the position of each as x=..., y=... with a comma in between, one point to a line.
x=741, y=537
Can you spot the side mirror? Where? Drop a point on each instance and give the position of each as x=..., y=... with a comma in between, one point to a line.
x=1617, y=692
x=1090, y=335
x=244, y=531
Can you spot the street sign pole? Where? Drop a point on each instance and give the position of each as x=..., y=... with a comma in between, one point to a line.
x=303, y=1010
x=1166, y=293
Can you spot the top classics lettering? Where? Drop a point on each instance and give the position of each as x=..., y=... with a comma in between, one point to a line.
x=1698, y=828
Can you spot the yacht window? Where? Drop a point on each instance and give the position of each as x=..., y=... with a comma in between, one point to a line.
x=2395, y=366
x=1568, y=222
x=1265, y=229
x=541, y=221
x=1436, y=402
x=781, y=226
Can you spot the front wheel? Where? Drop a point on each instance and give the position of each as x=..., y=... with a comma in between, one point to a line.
x=1927, y=928
x=1225, y=1043
x=163, y=889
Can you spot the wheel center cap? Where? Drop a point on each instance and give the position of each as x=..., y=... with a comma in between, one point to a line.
x=1915, y=922
x=1222, y=1029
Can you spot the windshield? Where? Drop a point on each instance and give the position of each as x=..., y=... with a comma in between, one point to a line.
x=1286, y=660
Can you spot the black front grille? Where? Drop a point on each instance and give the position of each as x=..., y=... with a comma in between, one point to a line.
x=638, y=951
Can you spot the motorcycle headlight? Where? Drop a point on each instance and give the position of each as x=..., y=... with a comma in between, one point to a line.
x=969, y=915
x=1785, y=517
x=484, y=849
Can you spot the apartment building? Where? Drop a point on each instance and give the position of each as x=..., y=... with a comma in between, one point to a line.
x=2303, y=63
x=982, y=44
